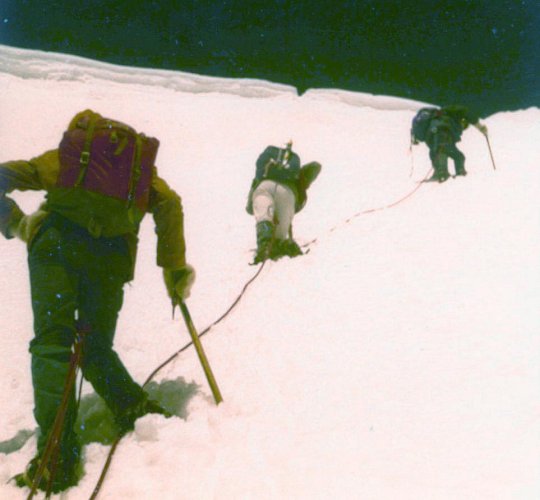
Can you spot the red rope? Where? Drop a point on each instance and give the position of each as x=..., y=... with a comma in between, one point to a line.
x=378, y=209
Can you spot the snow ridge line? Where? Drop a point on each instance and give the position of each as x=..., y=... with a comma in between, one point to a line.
x=58, y=66
x=41, y=65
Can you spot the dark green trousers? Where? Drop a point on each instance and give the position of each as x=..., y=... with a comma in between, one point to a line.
x=73, y=274
x=441, y=147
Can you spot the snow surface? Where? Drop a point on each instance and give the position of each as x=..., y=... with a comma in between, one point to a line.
x=398, y=359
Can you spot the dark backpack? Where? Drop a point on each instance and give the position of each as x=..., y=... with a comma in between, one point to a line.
x=278, y=164
x=420, y=123
x=105, y=176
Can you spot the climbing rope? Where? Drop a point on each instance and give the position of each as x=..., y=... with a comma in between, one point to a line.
x=209, y=327
x=372, y=210
x=150, y=377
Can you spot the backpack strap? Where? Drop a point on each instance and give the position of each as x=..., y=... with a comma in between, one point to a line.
x=84, y=159
x=135, y=170
x=282, y=159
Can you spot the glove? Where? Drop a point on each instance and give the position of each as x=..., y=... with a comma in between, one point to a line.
x=482, y=128
x=6, y=204
x=179, y=282
x=308, y=173
x=26, y=227
x=10, y=215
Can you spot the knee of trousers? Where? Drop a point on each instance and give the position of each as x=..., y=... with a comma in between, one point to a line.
x=263, y=207
x=57, y=352
x=95, y=343
x=50, y=366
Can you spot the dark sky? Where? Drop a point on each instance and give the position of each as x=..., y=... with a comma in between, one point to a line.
x=483, y=53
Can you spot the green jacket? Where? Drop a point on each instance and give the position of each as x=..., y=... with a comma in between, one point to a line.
x=41, y=172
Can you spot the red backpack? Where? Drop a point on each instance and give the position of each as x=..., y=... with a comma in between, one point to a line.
x=105, y=176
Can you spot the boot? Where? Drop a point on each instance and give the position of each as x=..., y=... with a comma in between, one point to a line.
x=440, y=173
x=125, y=421
x=284, y=248
x=460, y=169
x=66, y=473
x=64, y=468
x=292, y=249
x=265, y=232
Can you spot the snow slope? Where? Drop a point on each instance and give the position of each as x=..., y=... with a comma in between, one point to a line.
x=398, y=359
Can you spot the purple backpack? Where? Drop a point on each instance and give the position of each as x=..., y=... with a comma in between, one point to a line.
x=105, y=176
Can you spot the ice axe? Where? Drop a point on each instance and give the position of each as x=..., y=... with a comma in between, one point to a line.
x=490, y=152
x=483, y=130
x=200, y=352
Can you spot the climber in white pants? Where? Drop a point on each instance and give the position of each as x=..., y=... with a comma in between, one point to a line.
x=274, y=202
x=277, y=192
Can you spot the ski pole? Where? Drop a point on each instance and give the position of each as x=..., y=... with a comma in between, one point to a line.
x=200, y=352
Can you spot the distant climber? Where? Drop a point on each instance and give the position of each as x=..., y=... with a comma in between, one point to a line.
x=441, y=129
x=278, y=191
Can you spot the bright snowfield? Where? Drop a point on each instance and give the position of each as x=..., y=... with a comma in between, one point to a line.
x=398, y=359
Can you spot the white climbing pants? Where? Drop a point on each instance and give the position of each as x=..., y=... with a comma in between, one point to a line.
x=274, y=202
